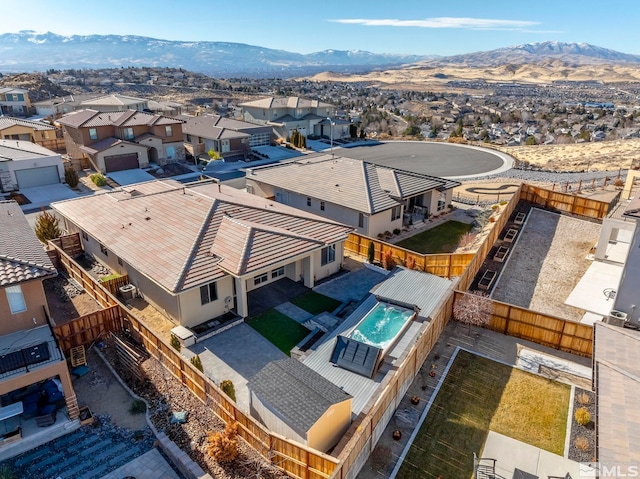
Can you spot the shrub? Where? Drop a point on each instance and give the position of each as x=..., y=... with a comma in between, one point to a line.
x=581, y=443
x=6, y=472
x=582, y=416
x=137, y=407
x=71, y=177
x=467, y=239
x=228, y=388
x=387, y=260
x=492, y=220
x=618, y=182
x=223, y=446
x=47, y=226
x=396, y=231
x=583, y=399
x=411, y=263
x=98, y=179
x=175, y=342
x=494, y=207
x=197, y=363
x=503, y=202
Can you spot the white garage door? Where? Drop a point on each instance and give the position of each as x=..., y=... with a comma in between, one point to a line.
x=46, y=175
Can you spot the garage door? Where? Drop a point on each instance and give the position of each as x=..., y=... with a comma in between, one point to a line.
x=121, y=162
x=46, y=175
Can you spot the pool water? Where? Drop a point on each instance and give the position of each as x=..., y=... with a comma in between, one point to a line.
x=381, y=325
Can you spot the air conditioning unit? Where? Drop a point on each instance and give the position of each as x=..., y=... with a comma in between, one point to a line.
x=616, y=318
x=128, y=291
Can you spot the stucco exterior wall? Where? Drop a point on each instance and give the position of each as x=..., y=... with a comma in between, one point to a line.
x=26, y=164
x=36, y=303
x=193, y=312
x=269, y=418
x=628, y=294
x=123, y=149
x=34, y=135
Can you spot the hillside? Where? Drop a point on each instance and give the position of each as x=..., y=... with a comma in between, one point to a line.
x=39, y=87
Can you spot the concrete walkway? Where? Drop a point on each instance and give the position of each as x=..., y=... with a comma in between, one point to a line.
x=151, y=465
x=512, y=454
x=352, y=286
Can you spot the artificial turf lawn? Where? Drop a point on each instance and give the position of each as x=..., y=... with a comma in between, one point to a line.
x=479, y=395
x=443, y=238
x=315, y=303
x=279, y=329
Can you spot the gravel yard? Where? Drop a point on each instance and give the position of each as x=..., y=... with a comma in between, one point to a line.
x=546, y=263
x=66, y=301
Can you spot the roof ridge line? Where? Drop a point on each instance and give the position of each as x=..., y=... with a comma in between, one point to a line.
x=253, y=226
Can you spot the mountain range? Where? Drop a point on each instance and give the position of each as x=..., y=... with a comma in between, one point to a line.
x=31, y=51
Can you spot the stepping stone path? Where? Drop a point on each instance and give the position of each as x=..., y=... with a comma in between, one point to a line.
x=87, y=453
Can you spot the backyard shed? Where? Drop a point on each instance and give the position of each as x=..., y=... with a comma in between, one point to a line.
x=295, y=401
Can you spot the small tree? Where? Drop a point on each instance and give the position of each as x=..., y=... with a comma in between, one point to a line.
x=223, y=446
x=411, y=263
x=371, y=253
x=47, y=226
x=228, y=388
x=472, y=309
x=213, y=154
x=388, y=262
x=71, y=177
x=175, y=342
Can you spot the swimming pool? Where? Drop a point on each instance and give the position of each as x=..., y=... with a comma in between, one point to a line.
x=382, y=325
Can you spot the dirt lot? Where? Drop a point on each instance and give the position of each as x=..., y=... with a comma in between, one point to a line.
x=547, y=262
x=66, y=302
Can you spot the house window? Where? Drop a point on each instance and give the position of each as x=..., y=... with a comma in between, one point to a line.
x=171, y=152
x=85, y=236
x=263, y=278
x=395, y=212
x=208, y=293
x=308, y=201
x=128, y=133
x=93, y=133
x=322, y=206
x=120, y=261
x=441, y=205
x=16, y=299
x=328, y=255
x=104, y=250
x=168, y=131
x=360, y=220
x=276, y=273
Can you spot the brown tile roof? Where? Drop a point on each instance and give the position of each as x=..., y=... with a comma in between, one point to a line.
x=169, y=232
x=354, y=184
x=633, y=208
x=92, y=118
x=105, y=145
x=285, y=102
x=8, y=122
x=617, y=358
x=22, y=256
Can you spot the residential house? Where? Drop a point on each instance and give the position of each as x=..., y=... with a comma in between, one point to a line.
x=25, y=130
x=114, y=102
x=26, y=165
x=125, y=140
x=297, y=402
x=195, y=252
x=309, y=117
x=232, y=139
x=14, y=101
x=627, y=298
x=372, y=198
x=34, y=377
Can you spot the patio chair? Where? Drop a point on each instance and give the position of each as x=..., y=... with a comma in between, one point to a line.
x=484, y=467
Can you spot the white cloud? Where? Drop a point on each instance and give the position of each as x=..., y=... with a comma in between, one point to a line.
x=442, y=22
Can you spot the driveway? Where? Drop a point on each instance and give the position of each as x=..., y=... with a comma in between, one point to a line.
x=236, y=354
x=43, y=196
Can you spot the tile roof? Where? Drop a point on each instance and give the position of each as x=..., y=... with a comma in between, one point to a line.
x=286, y=384
x=285, y=102
x=106, y=144
x=633, y=208
x=114, y=100
x=207, y=126
x=22, y=150
x=169, y=231
x=355, y=184
x=22, y=256
x=8, y=122
x=92, y=118
x=617, y=359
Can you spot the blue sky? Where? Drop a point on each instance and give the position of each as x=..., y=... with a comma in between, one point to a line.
x=442, y=27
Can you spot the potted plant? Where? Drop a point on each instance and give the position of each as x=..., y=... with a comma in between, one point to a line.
x=415, y=400
x=397, y=435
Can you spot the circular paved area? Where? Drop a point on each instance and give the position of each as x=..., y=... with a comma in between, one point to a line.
x=445, y=160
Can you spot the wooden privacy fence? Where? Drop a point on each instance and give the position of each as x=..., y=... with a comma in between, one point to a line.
x=557, y=333
x=114, y=284
x=70, y=244
x=565, y=202
x=295, y=459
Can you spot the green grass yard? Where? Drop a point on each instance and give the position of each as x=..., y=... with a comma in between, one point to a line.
x=479, y=395
x=279, y=329
x=315, y=303
x=443, y=238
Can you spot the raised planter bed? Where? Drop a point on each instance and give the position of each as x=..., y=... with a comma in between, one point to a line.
x=487, y=280
x=501, y=254
x=511, y=235
x=520, y=217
